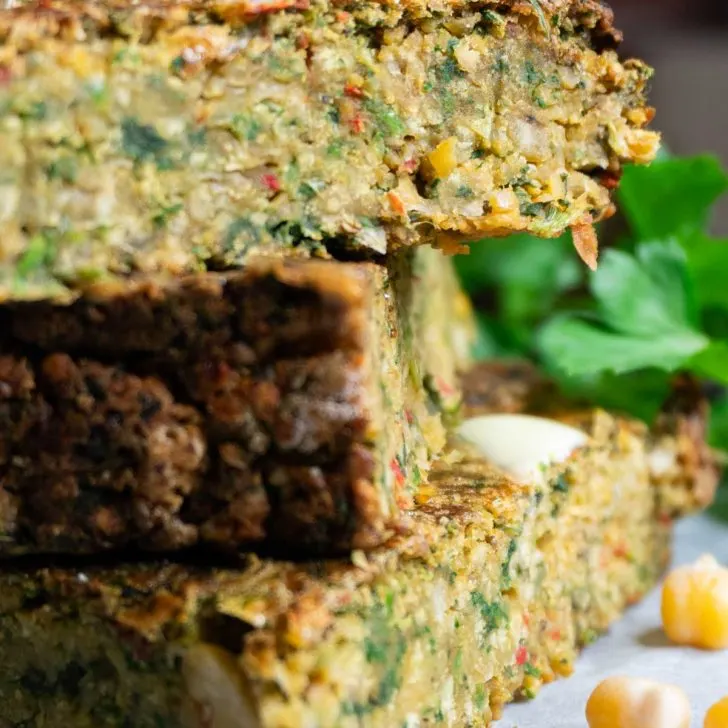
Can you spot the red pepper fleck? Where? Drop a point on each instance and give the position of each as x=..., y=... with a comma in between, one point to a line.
x=620, y=551
x=409, y=416
x=271, y=182
x=409, y=165
x=397, y=471
x=610, y=180
x=444, y=387
x=555, y=634
x=356, y=92
x=357, y=124
x=521, y=655
x=342, y=16
x=5, y=75
x=526, y=619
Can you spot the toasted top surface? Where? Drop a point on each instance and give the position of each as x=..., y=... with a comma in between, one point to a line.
x=29, y=19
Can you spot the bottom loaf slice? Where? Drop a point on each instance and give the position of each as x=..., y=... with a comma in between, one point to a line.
x=488, y=592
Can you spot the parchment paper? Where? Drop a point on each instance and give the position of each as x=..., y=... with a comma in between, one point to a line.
x=635, y=646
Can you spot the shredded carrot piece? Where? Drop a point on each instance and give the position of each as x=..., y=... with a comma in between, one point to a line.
x=585, y=242
x=396, y=202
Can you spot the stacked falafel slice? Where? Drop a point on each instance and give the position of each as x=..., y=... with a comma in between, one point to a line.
x=169, y=137
x=295, y=404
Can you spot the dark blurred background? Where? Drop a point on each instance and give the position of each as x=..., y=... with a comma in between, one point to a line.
x=687, y=43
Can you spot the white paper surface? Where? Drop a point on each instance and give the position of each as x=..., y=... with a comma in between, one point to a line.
x=635, y=646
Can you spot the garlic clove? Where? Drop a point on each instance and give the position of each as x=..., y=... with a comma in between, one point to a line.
x=522, y=445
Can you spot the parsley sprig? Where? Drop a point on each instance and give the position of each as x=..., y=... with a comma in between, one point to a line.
x=657, y=304
x=650, y=295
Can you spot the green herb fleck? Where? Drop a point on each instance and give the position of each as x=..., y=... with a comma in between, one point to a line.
x=240, y=229
x=560, y=484
x=177, y=65
x=126, y=54
x=197, y=136
x=492, y=613
x=98, y=91
x=448, y=71
x=385, y=645
x=479, y=698
x=143, y=143
x=501, y=65
x=335, y=149
x=506, y=566
x=36, y=111
x=245, y=127
x=165, y=213
x=589, y=636
x=310, y=188
x=532, y=75
x=464, y=191
x=64, y=169
x=532, y=670
x=40, y=254
x=388, y=122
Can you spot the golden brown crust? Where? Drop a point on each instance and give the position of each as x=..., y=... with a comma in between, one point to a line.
x=684, y=418
x=31, y=19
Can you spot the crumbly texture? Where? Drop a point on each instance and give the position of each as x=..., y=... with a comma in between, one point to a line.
x=161, y=138
x=294, y=404
x=490, y=592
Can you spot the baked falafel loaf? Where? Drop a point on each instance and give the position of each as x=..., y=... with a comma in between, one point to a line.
x=295, y=403
x=489, y=593
x=168, y=137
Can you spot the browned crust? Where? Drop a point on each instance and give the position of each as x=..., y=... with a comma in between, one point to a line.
x=685, y=418
x=228, y=409
x=147, y=20
x=148, y=598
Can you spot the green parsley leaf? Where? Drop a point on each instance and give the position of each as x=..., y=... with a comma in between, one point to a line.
x=524, y=265
x=579, y=347
x=671, y=195
x=640, y=393
x=712, y=362
x=719, y=423
x=644, y=317
x=707, y=262
x=645, y=294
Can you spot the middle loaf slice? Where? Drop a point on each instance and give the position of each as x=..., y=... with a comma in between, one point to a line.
x=290, y=404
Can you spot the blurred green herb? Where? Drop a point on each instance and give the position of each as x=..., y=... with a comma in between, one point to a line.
x=657, y=304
